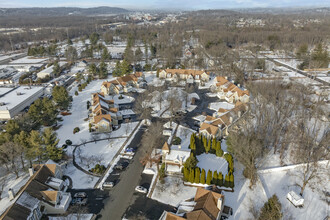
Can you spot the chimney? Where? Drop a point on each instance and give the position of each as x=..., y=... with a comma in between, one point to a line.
x=238, y=85
x=231, y=120
x=11, y=194
x=31, y=171
x=220, y=204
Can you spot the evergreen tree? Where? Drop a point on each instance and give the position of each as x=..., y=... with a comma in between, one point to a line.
x=197, y=175
x=186, y=174
x=94, y=38
x=218, y=150
x=92, y=69
x=50, y=141
x=56, y=69
x=191, y=162
x=61, y=97
x=103, y=71
x=231, y=180
x=215, y=177
x=105, y=54
x=208, y=146
x=117, y=70
x=202, y=180
x=220, y=179
x=209, y=177
x=226, y=183
x=192, y=175
x=37, y=151
x=138, y=54
x=214, y=144
x=271, y=210
x=125, y=67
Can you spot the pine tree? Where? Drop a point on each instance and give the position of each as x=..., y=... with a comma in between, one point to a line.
x=203, y=177
x=218, y=150
x=226, y=183
x=214, y=144
x=220, y=179
x=209, y=177
x=215, y=177
x=191, y=176
x=231, y=180
x=186, y=174
x=271, y=210
x=208, y=146
x=37, y=150
x=197, y=175
x=50, y=141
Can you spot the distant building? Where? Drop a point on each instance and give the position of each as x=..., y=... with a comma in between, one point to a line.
x=16, y=99
x=121, y=84
x=184, y=74
x=230, y=92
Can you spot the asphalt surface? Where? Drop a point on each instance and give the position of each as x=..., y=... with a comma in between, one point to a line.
x=121, y=195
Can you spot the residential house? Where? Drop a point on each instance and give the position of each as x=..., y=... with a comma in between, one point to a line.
x=121, y=84
x=103, y=113
x=174, y=158
x=207, y=205
x=184, y=74
x=230, y=92
x=210, y=130
x=82, y=64
x=44, y=193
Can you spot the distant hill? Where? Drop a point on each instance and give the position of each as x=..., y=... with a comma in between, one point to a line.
x=61, y=11
x=292, y=10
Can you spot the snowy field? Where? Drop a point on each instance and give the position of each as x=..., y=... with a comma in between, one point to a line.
x=173, y=191
x=213, y=163
x=225, y=105
x=101, y=152
x=290, y=62
x=279, y=183
x=327, y=78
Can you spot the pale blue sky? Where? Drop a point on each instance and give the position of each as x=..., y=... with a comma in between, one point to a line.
x=165, y=4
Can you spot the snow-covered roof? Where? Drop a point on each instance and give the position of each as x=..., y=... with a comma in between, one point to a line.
x=125, y=99
x=126, y=112
x=27, y=201
x=177, y=155
x=296, y=199
x=17, y=96
x=54, y=182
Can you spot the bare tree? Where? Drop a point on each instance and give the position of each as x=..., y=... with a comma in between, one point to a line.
x=10, y=152
x=174, y=105
x=310, y=145
x=142, y=106
x=3, y=182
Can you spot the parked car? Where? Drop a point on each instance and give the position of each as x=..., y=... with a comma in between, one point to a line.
x=108, y=185
x=80, y=195
x=131, y=149
x=118, y=167
x=79, y=201
x=141, y=189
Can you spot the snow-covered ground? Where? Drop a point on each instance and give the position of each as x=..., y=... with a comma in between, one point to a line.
x=80, y=180
x=225, y=105
x=290, y=62
x=101, y=152
x=279, y=183
x=213, y=163
x=172, y=191
x=184, y=134
x=327, y=78
x=72, y=217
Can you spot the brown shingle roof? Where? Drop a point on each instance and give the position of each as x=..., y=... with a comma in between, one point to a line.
x=98, y=118
x=198, y=215
x=50, y=195
x=221, y=80
x=209, y=118
x=211, y=129
x=165, y=146
x=171, y=216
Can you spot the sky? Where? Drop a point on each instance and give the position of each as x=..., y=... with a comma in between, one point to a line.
x=165, y=4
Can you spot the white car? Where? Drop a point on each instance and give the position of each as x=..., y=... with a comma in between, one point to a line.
x=108, y=185
x=80, y=195
x=141, y=189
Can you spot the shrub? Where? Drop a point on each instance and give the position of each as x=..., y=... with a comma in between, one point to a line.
x=176, y=141
x=121, y=97
x=90, y=127
x=79, y=88
x=76, y=92
x=64, y=146
x=98, y=169
x=68, y=142
x=76, y=129
x=162, y=171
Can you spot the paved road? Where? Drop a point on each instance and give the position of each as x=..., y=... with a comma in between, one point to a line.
x=120, y=196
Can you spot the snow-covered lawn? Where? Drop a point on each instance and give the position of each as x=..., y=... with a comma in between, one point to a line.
x=213, y=163
x=208, y=84
x=184, y=134
x=101, y=152
x=29, y=60
x=278, y=182
x=80, y=180
x=173, y=191
x=225, y=105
